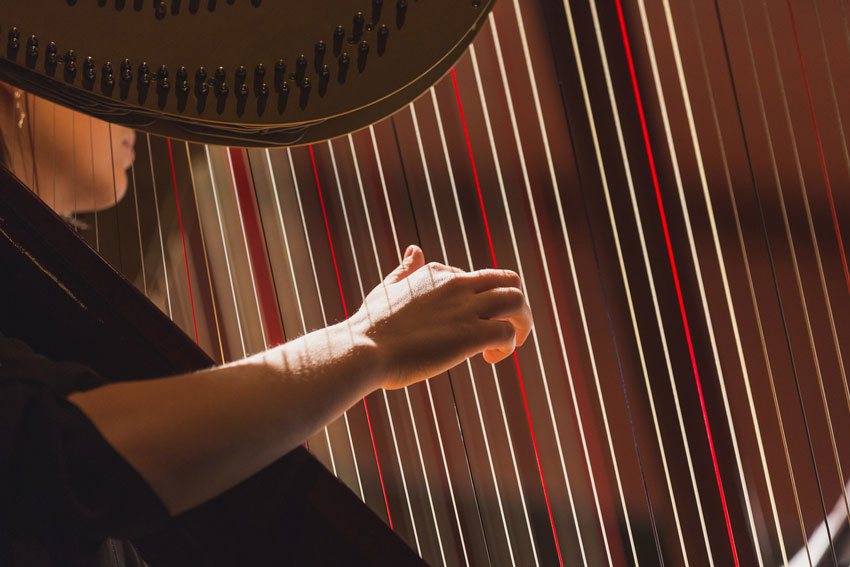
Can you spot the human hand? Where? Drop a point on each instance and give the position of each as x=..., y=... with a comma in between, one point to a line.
x=425, y=319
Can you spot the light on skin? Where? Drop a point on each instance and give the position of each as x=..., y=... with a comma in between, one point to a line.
x=64, y=155
x=193, y=436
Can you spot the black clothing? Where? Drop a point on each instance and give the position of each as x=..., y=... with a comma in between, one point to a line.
x=64, y=491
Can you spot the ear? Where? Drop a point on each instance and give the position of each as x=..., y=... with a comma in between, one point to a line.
x=412, y=261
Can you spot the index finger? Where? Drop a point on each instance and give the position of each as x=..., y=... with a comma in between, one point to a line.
x=483, y=280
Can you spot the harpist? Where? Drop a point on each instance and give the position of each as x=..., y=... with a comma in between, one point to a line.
x=84, y=464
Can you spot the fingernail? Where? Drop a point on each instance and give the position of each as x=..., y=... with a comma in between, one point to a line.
x=409, y=252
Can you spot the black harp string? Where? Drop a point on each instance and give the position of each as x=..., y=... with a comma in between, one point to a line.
x=93, y=184
x=115, y=197
x=74, y=179
x=819, y=263
x=765, y=235
x=265, y=244
x=138, y=228
x=751, y=286
x=204, y=249
x=448, y=372
x=159, y=228
x=53, y=157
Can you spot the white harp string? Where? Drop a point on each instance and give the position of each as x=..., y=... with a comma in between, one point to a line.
x=159, y=229
x=139, y=229
x=93, y=185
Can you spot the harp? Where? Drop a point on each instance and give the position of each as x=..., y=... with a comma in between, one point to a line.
x=666, y=177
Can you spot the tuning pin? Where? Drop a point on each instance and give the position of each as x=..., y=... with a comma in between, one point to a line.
x=201, y=81
x=71, y=61
x=359, y=19
x=160, y=8
x=220, y=84
x=52, y=57
x=260, y=71
x=182, y=82
x=144, y=74
x=383, y=31
x=32, y=47
x=88, y=69
x=241, y=74
x=162, y=78
x=14, y=39
x=108, y=76
x=126, y=71
x=363, y=47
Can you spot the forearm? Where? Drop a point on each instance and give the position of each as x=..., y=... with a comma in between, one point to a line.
x=196, y=435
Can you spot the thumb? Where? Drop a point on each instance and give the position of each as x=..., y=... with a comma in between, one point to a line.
x=412, y=261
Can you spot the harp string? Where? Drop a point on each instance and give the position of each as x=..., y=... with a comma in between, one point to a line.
x=93, y=185
x=801, y=179
x=297, y=192
x=115, y=196
x=183, y=241
x=227, y=262
x=74, y=169
x=380, y=271
x=556, y=192
x=384, y=392
x=235, y=189
x=295, y=288
x=204, y=250
x=644, y=253
x=763, y=222
x=53, y=158
x=138, y=228
x=696, y=261
x=733, y=316
x=159, y=229
x=492, y=366
x=428, y=184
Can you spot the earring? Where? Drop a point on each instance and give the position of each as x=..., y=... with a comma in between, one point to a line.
x=20, y=113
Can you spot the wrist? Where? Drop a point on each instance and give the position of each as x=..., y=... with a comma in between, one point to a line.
x=361, y=353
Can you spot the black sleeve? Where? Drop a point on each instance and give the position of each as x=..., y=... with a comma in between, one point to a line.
x=61, y=483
